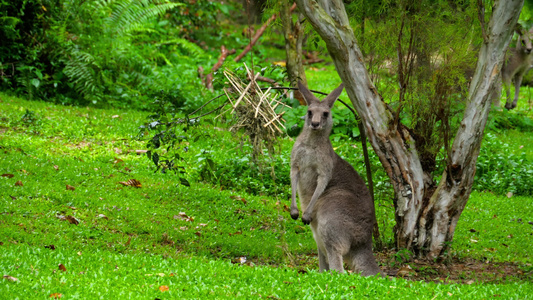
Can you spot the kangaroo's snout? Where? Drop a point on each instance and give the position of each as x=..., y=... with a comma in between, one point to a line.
x=315, y=125
x=528, y=50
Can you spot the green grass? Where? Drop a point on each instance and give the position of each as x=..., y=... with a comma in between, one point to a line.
x=131, y=241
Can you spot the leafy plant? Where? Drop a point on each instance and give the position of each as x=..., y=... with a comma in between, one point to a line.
x=502, y=170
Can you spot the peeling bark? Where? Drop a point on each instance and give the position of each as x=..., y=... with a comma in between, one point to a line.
x=426, y=217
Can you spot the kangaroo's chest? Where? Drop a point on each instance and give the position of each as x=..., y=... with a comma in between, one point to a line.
x=311, y=163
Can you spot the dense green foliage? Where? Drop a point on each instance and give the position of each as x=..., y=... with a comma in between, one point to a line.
x=132, y=241
x=123, y=53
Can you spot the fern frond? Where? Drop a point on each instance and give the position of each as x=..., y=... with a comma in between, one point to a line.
x=130, y=15
x=191, y=48
x=81, y=69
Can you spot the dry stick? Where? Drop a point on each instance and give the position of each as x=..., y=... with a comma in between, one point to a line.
x=223, y=54
x=201, y=74
x=243, y=93
x=260, y=100
x=275, y=119
x=256, y=37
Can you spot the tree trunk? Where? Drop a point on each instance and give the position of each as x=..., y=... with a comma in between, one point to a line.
x=294, y=36
x=425, y=217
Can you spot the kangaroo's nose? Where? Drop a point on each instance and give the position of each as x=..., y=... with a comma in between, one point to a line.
x=528, y=50
x=315, y=124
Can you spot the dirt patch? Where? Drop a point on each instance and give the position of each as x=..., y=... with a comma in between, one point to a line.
x=454, y=270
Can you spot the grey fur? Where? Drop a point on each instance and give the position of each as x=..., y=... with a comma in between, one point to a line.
x=516, y=65
x=334, y=198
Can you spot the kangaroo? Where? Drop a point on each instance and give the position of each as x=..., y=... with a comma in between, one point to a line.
x=333, y=197
x=516, y=65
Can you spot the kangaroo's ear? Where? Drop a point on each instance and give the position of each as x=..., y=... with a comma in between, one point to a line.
x=332, y=97
x=308, y=96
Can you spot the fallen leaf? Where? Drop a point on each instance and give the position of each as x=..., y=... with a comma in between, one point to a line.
x=128, y=242
x=56, y=167
x=132, y=182
x=198, y=233
x=62, y=268
x=8, y=175
x=118, y=151
x=10, y=278
x=12, y=197
x=118, y=161
x=70, y=188
x=141, y=151
x=469, y=282
x=183, y=216
x=405, y=271
x=102, y=216
x=239, y=198
x=56, y=295
x=163, y=288
x=473, y=230
x=72, y=220
x=115, y=116
x=51, y=247
x=19, y=183
x=509, y=194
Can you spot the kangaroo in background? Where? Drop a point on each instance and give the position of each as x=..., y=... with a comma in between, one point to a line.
x=333, y=197
x=516, y=65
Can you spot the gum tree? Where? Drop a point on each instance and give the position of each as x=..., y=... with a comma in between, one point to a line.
x=426, y=211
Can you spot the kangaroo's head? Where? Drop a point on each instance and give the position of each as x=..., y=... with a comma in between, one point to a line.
x=525, y=41
x=318, y=115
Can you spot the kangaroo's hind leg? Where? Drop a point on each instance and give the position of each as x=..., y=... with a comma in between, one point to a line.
x=363, y=261
x=335, y=260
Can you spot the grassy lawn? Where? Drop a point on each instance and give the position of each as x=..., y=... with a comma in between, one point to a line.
x=71, y=223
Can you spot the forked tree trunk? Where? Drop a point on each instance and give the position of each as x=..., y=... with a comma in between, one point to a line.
x=426, y=217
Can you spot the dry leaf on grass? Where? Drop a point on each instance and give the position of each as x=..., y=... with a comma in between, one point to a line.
x=70, y=188
x=132, y=182
x=183, y=216
x=56, y=295
x=163, y=288
x=70, y=219
x=8, y=175
x=62, y=268
x=10, y=278
x=19, y=183
x=239, y=198
x=102, y=216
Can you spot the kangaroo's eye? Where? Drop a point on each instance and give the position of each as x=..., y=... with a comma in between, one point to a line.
x=309, y=113
x=325, y=114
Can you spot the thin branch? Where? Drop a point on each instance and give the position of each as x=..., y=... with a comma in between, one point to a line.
x=256, y=37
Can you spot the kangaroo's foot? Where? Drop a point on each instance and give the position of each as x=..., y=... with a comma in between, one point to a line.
x=307, y=218
x=294, y=213
x=509, y=106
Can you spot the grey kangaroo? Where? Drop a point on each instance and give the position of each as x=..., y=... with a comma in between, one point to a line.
x=333, y=197
x=516, y=65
